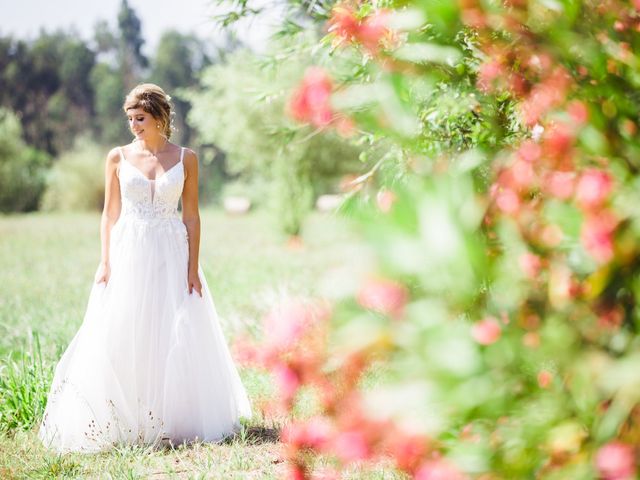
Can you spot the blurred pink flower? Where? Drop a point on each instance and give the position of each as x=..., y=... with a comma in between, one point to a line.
x=343, y=22
x=545, y=378
x=523, y=173
x=486, y=331
x=531, y=340
x=559, y=140
x=594, y=186
x=615, y=461
x=530, y=264
x=310, y=102
x=373, y=29
x=551, y=235
x=560, y=184
x=438, y=470
x=286, y=323
x=597, y=236
x=351, y=446
x=407, y=449
x=610, y=317
x=385, y=199
x=287, y=381
x=369, y=32
x=245, y=351
x=384, y=296
x=297, y=472
x=578, y=112
x=319, y=432
x=545, y=95
x=529, y=151
x=507, y=200
x=488, y=74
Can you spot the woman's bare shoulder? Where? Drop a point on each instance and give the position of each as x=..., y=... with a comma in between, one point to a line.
x=113, y=157
x=190, y=156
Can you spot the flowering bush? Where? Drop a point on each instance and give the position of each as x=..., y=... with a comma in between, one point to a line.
x=498, y=337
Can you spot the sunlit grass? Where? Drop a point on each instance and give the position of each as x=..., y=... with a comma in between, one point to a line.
x=48, y=262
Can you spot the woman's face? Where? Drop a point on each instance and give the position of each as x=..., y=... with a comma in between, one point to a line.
x=141, y=123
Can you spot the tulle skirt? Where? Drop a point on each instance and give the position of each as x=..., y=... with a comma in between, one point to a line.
x=149, y=364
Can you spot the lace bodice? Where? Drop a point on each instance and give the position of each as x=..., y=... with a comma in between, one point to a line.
x=150, y=199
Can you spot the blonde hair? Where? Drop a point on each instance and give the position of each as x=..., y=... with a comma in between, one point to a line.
x=152, y=99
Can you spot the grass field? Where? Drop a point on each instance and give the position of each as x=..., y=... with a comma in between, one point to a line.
x=47, y=263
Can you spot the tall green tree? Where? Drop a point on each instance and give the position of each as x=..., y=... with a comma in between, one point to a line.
x=132, y=60
x=179, y=59
x=46, y=82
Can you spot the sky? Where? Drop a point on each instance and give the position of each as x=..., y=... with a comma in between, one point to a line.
x=24, y=18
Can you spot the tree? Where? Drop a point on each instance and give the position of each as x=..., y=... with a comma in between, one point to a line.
x=240, y=109
x=22, y=168
x=178, y=60
x=496, y=336
x=132, y=60
x=47, y=83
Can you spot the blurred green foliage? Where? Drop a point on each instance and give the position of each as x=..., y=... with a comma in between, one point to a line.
x=240, y=107
x=76, y=180
x=22, y=168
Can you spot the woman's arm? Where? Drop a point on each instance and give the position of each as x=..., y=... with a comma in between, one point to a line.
x=191, y=217
x=110, y=212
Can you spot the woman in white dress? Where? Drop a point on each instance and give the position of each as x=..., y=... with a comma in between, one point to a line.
x=149, y=364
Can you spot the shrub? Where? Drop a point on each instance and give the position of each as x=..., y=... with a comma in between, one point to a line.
x=76, y=181
x=22, y=168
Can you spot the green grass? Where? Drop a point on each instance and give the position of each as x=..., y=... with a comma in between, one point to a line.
x=48, y=262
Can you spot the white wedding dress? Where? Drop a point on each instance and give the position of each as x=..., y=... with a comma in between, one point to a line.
x=149, y=364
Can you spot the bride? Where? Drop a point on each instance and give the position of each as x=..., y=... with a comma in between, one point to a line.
x=149, y=365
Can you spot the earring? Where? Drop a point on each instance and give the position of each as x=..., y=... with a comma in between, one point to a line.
x=157, y=125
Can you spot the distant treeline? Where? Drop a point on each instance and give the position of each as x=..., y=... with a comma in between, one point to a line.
x=59, y=89
x=60, y=85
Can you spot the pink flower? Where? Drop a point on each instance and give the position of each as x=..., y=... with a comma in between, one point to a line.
x=287, y=380
x=351, y=446
x=545, y=378
x=529, y=151
x=488, y=74
x=597, y=236
x=593, y=188
x=507, y=200
x=531, y=340
x=286, y=323
x=578, y=112
x=297, y=472
x=407, y=449
x=385, y=199
x=343, y=23
x=369, y=32
x=373, y=30
x=615, y=461
x=385, y=296
x=560, y=184
x=318, y=432
x=545, y=96
x=559, y=140
x=530, y=264
x=523, y=173
x=486, y=331
x=438, y=470
x=611, y=317
x=310, y=102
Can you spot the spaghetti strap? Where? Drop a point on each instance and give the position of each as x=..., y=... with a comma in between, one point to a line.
x=181, y=154
x=121, y=153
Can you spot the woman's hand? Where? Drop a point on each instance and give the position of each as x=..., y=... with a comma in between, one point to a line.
x=103, y=274
x=194, y=283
